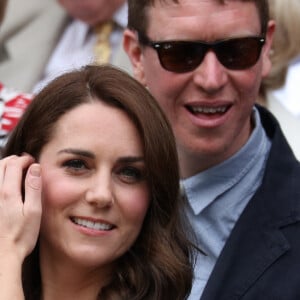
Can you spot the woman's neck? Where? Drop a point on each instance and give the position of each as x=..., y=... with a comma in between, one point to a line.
x=63, y=280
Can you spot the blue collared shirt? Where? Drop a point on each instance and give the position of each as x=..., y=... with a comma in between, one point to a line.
x=218, y=196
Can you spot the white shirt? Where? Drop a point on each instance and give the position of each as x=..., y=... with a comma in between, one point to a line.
x=75, y=47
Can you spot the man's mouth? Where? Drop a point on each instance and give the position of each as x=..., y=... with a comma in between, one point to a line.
x=207, y=110
x=95, y=225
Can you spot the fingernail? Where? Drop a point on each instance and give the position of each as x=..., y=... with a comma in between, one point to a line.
x=35, y=179
x=35, y=170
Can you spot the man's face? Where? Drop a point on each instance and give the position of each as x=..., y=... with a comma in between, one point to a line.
x=210, y=107
x=91, y=12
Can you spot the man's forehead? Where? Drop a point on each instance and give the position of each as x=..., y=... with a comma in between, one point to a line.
x=203, y=19
x=196, y=7
x=185, y=2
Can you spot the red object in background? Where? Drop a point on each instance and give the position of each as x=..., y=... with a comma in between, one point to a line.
x=12, y=106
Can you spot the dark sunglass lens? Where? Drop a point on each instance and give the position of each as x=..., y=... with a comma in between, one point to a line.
x=180, y=57
x=239, y=54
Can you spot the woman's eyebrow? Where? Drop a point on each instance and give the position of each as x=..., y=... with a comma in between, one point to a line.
x=79, y=152
x=85, y=153
x=131, y=159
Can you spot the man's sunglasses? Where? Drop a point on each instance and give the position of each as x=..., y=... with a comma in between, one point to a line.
x=185, y=56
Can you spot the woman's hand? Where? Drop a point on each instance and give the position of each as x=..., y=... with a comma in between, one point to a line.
x=20, y=206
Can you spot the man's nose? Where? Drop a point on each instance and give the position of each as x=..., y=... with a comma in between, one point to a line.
x=210, y=75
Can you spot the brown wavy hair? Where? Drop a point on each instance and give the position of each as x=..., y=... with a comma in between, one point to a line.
x=159, y=264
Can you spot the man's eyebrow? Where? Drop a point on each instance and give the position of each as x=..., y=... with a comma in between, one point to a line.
x=79, y=152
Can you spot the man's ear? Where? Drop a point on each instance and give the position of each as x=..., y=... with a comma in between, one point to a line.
x=267, y=64
x=132, y=48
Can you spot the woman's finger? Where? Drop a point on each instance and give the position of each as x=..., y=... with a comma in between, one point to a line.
x=20, y=209
x=32, y=205
x=11, y=180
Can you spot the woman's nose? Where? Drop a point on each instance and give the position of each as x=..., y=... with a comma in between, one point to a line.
x=100, y=192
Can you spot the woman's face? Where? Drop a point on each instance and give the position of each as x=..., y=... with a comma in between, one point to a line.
x=95, y=195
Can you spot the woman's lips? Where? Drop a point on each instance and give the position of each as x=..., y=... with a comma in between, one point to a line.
x=92, y=224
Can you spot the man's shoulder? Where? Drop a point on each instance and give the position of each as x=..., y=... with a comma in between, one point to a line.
x=280, y=184
x=273, y=129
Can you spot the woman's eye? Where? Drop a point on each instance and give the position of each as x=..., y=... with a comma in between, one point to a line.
x=75, y=164
x=131, y=174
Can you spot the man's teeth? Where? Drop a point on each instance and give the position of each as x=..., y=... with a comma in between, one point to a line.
x=91, y=224
x=208, y=110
